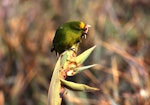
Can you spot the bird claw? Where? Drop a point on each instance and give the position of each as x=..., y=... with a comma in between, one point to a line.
x=84, y=35
x=73, y=49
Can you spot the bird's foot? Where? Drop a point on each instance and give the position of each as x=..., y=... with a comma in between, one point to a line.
x=73, y=49
x=84, y=35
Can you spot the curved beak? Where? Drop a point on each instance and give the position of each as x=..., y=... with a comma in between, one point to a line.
x=86, y=29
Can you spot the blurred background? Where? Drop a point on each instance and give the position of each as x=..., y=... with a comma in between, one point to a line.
x=120, y=29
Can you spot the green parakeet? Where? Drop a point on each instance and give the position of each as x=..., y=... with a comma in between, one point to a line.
x=68, y=34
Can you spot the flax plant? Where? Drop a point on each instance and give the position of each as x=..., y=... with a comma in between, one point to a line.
x=68, y=64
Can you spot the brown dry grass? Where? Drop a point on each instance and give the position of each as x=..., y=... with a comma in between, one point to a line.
x=120, y=29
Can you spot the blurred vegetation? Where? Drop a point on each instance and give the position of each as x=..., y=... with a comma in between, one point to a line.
x=120, y=29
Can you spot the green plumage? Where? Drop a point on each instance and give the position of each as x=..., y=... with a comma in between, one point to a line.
x=67, y=35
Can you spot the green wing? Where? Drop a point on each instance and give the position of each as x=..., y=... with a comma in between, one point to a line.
x=65, y=38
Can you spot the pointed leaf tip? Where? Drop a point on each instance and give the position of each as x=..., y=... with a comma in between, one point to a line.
x=79, y=69
x=83, y=56
x=77, y=87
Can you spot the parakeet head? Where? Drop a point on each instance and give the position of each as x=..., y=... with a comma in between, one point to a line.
x=79, y=25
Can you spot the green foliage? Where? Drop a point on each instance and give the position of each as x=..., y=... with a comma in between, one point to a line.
x=82, y=57
x=68, y=65
x=55, y=85
x=77, y=87
x=74, y=71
